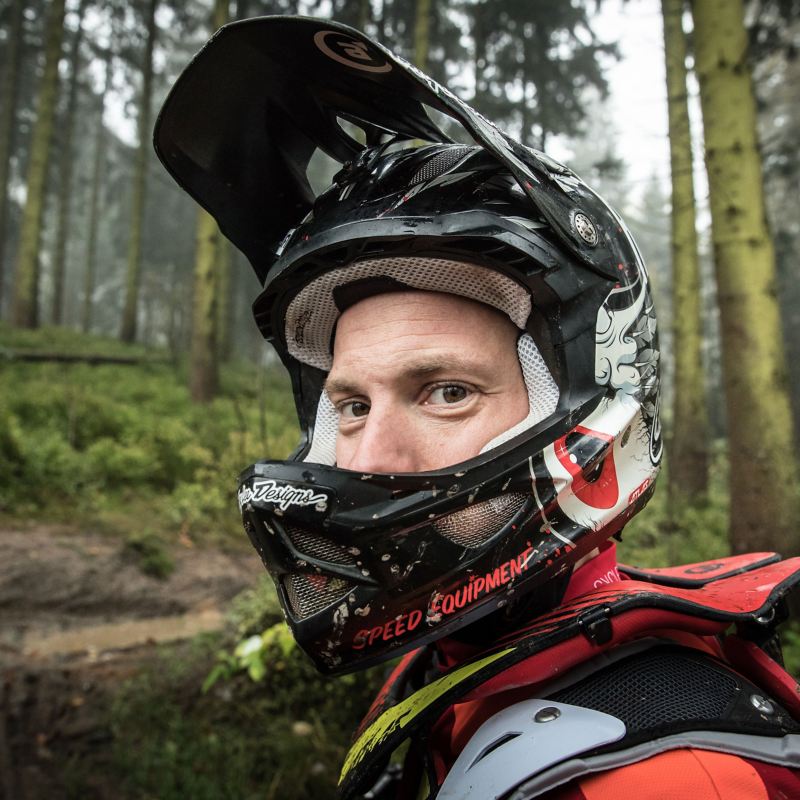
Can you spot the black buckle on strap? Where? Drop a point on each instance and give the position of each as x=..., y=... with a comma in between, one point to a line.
x=596, y=625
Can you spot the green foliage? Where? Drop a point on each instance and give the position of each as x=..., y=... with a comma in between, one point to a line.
x=149, y=552
x=283, y=737
x=790, y=641
x=665, y=534
x=254, y=656
x=109, y=445
x=255, y=609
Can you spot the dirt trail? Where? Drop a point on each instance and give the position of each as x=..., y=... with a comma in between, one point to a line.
x=78, y=617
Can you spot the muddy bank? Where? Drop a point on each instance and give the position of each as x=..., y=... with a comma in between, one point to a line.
x=53, y=581
x=78, y=618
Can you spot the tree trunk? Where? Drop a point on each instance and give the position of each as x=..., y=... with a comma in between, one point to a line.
x=203, y=367
x=210, y=264
x=98, y=165
x=422, y=27
x=380, y=21
x=763, y=482
x=224, y=286
x=8, y=109
x=65, y=173
x=133, y=272
x=688, y=474
x=24, y=310
x=479, y=57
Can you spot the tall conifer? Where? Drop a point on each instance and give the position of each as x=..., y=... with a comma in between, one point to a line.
x=134, y=266
x=25, y=312
x=688, y=452
x=763, y=474
x=9, y=85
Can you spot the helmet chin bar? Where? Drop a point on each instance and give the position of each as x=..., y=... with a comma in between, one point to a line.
x=357, y=559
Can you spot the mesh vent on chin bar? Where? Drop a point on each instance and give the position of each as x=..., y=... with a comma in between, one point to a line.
x=474, y=525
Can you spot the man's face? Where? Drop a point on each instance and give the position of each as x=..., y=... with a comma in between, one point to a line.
x=422, y=381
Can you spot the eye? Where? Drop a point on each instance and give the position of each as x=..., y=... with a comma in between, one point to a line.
x=448, y=394
x=352, y=409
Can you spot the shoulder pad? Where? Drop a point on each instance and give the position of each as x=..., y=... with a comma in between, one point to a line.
x=691, y=576
x=570, y=635
x=523, y=740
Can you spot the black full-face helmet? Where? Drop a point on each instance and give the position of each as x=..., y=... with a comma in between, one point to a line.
x=369, y=565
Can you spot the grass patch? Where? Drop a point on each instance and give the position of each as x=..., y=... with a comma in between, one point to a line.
x=283, y=737
x=150, y=554
x=107, y=446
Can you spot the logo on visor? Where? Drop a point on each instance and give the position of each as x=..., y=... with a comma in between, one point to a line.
x=282, y=495
x=351, y=52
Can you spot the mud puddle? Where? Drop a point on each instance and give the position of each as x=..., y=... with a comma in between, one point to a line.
x=77, y=619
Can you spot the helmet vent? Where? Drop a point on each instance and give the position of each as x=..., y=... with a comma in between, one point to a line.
x=473, y=526
x=439, y=164
x=308, y=594
x=318, y=547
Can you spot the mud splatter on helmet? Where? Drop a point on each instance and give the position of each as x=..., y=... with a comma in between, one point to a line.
x=370, y=565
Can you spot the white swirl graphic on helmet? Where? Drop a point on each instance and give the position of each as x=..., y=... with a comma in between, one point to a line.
x=617, y=362
x=281, y=494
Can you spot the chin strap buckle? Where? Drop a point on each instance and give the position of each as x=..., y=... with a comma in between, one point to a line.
x=596, y=625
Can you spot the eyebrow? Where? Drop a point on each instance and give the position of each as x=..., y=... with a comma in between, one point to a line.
x=413, y=370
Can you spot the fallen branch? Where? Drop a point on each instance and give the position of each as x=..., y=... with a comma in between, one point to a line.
x=80, y=358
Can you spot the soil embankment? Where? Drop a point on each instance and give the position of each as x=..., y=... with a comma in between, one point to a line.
x=77, y=617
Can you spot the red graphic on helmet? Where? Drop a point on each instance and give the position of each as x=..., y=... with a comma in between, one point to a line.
x=576, y=451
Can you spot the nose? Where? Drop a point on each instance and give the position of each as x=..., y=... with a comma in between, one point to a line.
x=386, y=443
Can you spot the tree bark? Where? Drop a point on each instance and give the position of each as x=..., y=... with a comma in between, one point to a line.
x=479, y=56
x=422, y=27
x=688, y=473
x=65, y=173
x=224, y=286
x=763, y=474
x=364, y=14
x=98, y=164
x=133, y=271
x=210, y=264
x=24, y=310
x=203, y=362
x=8, y=111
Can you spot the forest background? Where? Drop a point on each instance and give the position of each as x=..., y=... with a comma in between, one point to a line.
x=142, y=653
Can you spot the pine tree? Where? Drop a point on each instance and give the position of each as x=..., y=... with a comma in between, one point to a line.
x=544, y=52
x=98, y=163
x=26, y=283
x=763, y=482
x=67, y=158
x=688, y=452
x=134, y=267
x=422, y=27
x=8, y=108
x=203, y=363
x=211, y=270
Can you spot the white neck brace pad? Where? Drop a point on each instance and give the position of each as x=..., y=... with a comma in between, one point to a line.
x=312, y=315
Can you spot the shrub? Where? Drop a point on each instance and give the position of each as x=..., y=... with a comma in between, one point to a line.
x=150, y=554
x=284, y=737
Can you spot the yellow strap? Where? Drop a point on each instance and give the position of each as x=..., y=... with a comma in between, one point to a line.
x=400, y=715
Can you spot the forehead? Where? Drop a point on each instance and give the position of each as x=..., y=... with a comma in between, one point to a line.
x=422, y=331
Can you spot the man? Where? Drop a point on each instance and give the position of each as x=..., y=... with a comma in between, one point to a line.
x=473, y=352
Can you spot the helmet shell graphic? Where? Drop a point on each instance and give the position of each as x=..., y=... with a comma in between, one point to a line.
x=370, y=565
